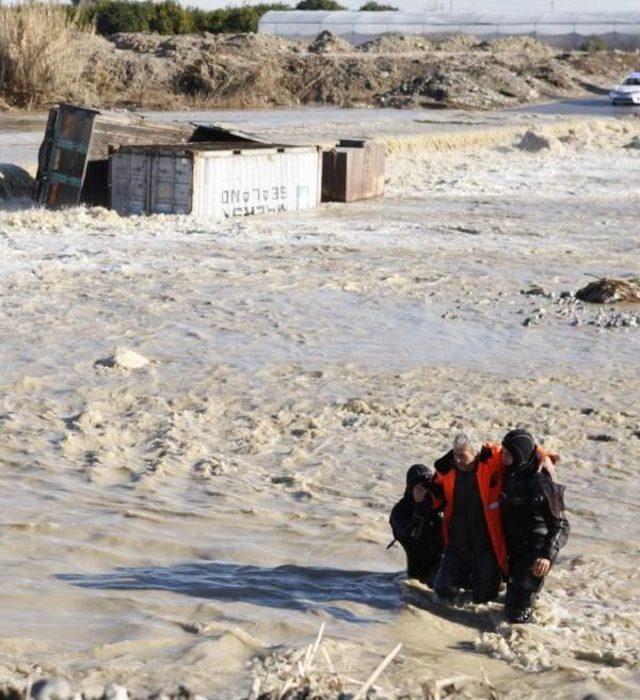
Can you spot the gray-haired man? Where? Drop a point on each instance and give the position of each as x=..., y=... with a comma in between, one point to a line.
x=475, y=545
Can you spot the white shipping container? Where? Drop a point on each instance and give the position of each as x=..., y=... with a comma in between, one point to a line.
x=215, y=181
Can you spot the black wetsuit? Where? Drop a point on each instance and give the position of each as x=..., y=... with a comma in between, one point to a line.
x=532, y=507
x=535, y=526
x=418, y=528
x=469, y=560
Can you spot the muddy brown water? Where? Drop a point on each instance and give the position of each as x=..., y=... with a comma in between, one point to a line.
x=169, y=524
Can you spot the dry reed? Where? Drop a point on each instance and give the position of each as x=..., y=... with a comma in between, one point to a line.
x=38, y=62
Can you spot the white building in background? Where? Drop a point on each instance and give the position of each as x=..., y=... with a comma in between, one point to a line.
x=502, y=6
x=512, y=7
x=562, y=28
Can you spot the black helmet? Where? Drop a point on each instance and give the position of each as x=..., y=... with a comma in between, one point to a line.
x=521, y=446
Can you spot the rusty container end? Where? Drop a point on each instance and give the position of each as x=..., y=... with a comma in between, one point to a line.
x=353, y=170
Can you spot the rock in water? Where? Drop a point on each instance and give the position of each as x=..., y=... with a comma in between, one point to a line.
x=15, y=182
x=51, y=689
x=123, y=359
x=609, y=291
x=533, y=143
x=535, y=290
x=208, y=467
x=601, y=437
x=634, y=143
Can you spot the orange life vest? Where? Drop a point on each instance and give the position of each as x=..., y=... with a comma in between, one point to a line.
x=490, y=476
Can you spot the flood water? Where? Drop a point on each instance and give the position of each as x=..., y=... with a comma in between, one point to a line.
x=20, y=135
x=226, y=498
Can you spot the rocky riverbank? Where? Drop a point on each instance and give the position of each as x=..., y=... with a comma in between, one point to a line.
x=253, y=70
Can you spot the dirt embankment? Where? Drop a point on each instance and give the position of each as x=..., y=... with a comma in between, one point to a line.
x=155, y=71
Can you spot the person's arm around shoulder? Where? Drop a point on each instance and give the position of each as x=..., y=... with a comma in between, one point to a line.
x=547, y=462
x=444, y=464
x=491, y=456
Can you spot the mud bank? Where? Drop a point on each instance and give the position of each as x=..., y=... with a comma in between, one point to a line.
x=228, y=71
x=205, y=424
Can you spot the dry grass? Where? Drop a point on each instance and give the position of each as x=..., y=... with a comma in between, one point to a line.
x=310, y=674
x=301, y=675
x=37, y=59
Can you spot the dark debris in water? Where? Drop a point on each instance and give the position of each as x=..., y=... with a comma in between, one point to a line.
x=578, y=309
x=602, y=437
x=609, y=291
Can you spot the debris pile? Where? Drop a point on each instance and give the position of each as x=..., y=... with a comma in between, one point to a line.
x=523, y=45
x=610, y=291
x=397, y=43
x=326, y=42
x=458, y=43
x=577, y=307
x=310, y=673
x=257, y=70
x=533, y=143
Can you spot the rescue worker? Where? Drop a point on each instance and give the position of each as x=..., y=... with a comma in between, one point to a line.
x=417, y=524
x=474, y=539
x=532, y=507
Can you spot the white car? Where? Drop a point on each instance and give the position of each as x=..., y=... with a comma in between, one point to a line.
x=628, y=92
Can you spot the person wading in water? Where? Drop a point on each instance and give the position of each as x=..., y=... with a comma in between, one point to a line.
x=474, y=538
x=417, y=524
x=534, y=523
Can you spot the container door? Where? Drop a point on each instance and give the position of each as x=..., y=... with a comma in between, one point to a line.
x=170, y=184
x=128, y=178
x=65, y=159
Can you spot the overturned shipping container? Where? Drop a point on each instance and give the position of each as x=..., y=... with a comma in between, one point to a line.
x=216, y=180
x=353, y=170
x=73, y=160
